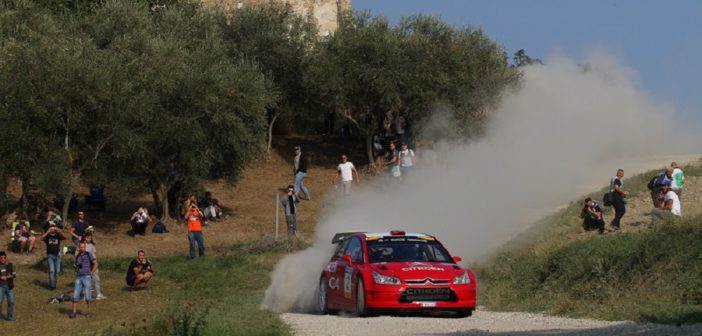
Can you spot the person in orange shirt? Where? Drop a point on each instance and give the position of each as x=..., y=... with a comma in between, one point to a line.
x=194, y=218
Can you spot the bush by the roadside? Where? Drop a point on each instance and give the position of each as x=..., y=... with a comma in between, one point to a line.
x=649, y=276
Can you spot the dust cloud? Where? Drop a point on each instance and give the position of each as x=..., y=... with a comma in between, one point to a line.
x=563, y=133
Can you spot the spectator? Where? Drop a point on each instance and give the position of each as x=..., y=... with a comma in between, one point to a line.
x=140, y=220
x=400, y=124
x=670, y=206
x=89, y=241
x=51, y=216
x=210, y=207
x=392, y=162
x=78, y=228
x=345, y=171
x=654, y=185
x=406, y=160
x=678, y=179
x=618, y=194
x=189, y=202
x=194, y=218
x=23, y=231
x=7, y=285
x=86, y=265
x=140, y=271
x=53, y=237
x=290, y=201
x=300, y=172
x=592, y=216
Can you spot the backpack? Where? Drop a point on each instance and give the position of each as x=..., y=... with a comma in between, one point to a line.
x=159, y=227
x=607, y=199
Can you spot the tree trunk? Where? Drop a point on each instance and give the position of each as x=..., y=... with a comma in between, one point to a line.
x=163, y=194
x=369, y=149
x=155, y=188
x=23, y=199
x=276, y=114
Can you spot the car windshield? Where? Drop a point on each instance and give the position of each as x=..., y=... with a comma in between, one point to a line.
x=393, y=249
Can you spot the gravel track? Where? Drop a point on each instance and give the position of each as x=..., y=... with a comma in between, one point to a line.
x=481, y=323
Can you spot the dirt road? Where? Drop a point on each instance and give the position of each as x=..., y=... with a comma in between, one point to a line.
x=481, y=323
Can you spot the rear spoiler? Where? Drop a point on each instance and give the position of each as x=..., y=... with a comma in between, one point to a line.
x=341, y=236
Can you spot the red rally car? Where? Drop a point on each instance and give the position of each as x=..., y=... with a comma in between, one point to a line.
x=394, y=272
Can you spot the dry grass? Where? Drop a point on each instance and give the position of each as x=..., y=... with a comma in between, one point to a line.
x=250, y=205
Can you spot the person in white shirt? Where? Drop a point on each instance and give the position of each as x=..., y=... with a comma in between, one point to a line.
x=406, y=160
x=670, y=206
x=345, y=171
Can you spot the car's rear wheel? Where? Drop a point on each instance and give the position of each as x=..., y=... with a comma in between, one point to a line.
x=461, y=313
x=361, y=308
x=323, y=297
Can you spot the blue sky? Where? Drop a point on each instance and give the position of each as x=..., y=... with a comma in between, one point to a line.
x=660, y=40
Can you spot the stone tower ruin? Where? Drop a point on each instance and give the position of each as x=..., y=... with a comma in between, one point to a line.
x=324, y=13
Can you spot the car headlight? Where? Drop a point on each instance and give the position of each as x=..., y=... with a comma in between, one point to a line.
x=385, y=280
x=462, y=279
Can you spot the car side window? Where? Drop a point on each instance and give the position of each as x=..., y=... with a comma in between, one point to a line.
x=340, y=248
x=438, y=254
x=354, y=249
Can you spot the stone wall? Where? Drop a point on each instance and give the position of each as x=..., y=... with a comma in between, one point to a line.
x=325, y=13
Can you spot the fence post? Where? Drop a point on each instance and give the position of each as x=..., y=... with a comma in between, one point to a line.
x=277, y=213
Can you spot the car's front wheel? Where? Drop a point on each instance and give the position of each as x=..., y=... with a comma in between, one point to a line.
x=323, y=297
x=361, y=308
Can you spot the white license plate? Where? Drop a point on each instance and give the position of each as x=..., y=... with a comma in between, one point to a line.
x=426, y=304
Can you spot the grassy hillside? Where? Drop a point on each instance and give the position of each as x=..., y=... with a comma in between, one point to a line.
x=216, y=295
x=645, y=273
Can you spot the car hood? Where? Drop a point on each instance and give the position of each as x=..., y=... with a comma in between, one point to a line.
x=418, y=269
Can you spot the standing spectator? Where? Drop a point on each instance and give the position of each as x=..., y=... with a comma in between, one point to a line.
x=618, y=194
x=194, y=218
x=400, y=124
x=140, y=220
x=86, y=265
x=300, y=171
x=51, y=216
x=290, y=201
x=189, y=202
x=78, y=228
x=392, y=162
x=140, y=271
x=23, y=231
x=53, y=237
x=678, y=179
x=7, y=284
x=89, y=241
x=406, y=160
x=592, y=216
x=345, y=171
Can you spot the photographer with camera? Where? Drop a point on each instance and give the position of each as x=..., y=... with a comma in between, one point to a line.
x=53, y=237
x=290, y=201
x=140, y=220
x=85, y=266
x=140, y=271
x=194, y=218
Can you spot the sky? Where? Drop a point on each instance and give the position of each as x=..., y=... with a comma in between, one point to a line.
x=660, y=40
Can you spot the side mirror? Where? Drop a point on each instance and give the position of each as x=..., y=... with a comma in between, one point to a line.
x=347, y=258
x=457, y=258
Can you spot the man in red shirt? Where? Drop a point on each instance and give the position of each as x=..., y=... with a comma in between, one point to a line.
x=194, y=218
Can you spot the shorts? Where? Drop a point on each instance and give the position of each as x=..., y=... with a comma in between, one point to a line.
x=83, y=284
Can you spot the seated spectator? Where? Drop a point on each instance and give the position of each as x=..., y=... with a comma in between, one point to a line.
x=140, y=271
x=210, y=207
x=140, y=220
x=592, y=216
x=670, y=205
x=23, y=232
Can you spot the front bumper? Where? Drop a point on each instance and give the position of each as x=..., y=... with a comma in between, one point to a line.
x=386, y=297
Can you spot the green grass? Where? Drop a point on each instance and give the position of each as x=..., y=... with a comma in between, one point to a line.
x=650, y=276
x=654, y=275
